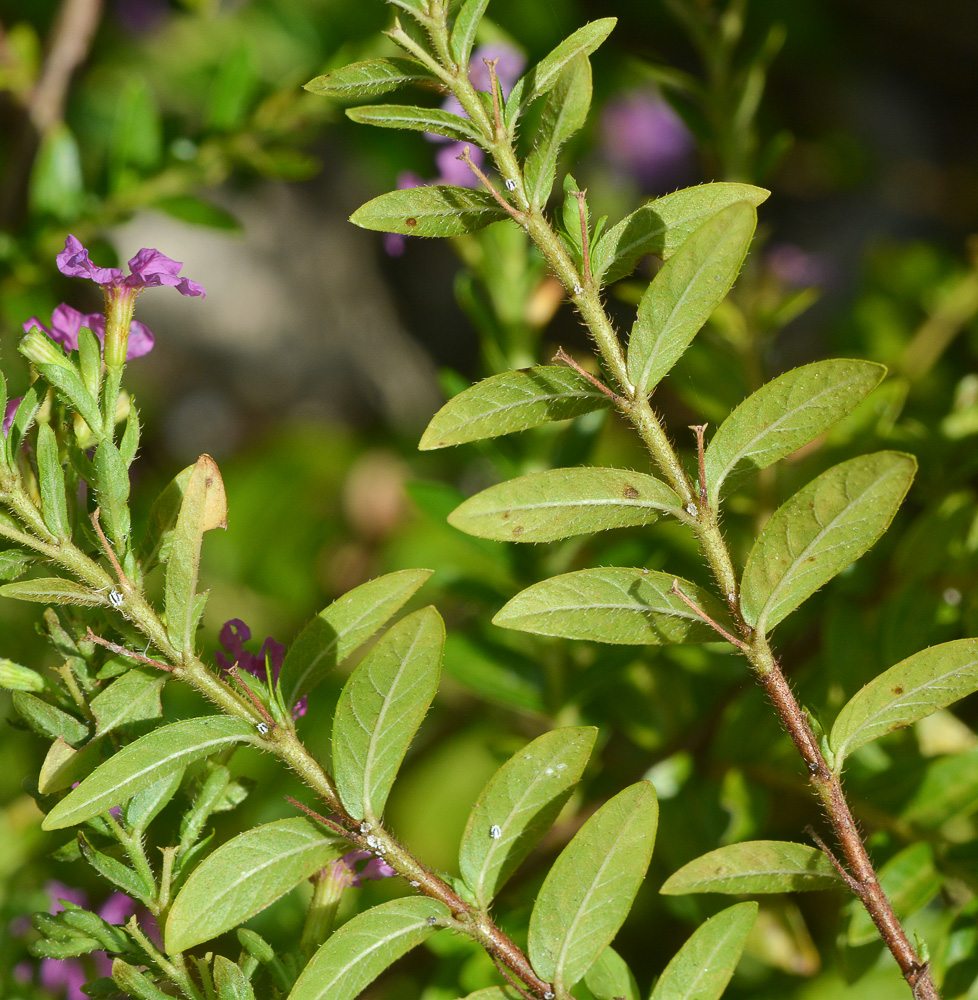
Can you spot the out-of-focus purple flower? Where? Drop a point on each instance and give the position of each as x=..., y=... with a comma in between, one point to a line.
x=139, y=17
x=8, y=414
x=233, y=635
x=345, y=873
x=509, y=64
x=797, y=268
x=148, y=269
x=643, y=137
x=66, y=321
x=58, y=891
x=65, y=976
x=452, y=170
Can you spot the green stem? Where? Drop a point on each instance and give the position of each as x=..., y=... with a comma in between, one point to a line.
x=326, y=895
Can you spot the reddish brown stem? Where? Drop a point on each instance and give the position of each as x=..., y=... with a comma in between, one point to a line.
x=466, y=158
x=562, y=355
x=700, y=430
x=128, y=653
x=739, y=643
x=829, y=790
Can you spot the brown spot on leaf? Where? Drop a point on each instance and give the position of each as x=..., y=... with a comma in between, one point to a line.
x=505, y=514
x=410, y=222
x=630, y=491
x=517, y=531
x=898, y=690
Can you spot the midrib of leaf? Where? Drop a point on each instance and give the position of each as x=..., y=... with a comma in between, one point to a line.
x=704, y=970
x=381, y=715
x=603, y=502
x=379, y=942
x=825, y=529
x=333, y=643
x=579, y=394
x=774, y=427
x=582, y=911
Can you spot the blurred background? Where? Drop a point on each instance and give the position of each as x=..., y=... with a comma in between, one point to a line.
x=321, y=351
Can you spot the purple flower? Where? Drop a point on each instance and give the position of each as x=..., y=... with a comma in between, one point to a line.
x=67, y=321
x=344, y=871
x=148, y=269
x=8, y=414
x=452, y=170
x=509, y=65
x=644, y=138
x=233, y=635
x=797, y=268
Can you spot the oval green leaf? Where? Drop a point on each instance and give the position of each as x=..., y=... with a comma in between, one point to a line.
x=464, y=30
x=701, y=969
x=418, y=119
x=52, y=590
x=558, y=503
x=911, y=690
x=436, y=210
x=819, y=531
x=144, y=762
x=543, y=77
x=785, y=414
x=230, y=982
x=365, y=946
x=380, y=708
x=511, y=402
x=134, y=697
x=755, y=866
x=564, y=113
x=518, y=805
x=589, y=891
x=662, y=226
x=368, y=79
x=244, y=876
x=690, y=285
x=612, y=604
x=611, y=979
x=344, y=626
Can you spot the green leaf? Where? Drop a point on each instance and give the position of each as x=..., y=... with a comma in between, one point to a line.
x=755, y=866
x=690, y=285
x=785, y=414
x=364, y=947
x=344, y=626
x=464, y=31
x=90, y=360
x=513, y=401
x=134, y=697
x=819, y=531
x=368, y=79
x=436, y=210
x=543, y=77
x=64, y=766
x=146, y=805
x=120, y=875
x=612, y=604
x=163, y=519
x=518, y=805
x=917, y=686
x=57, y=187
x=701, y=969
x=662, y=226
x=495, y=993
x=204, y=507
x=65, y=378
x=51, y=481
x=52, y=590
x=48, y=720
x=230, y=982
x=558, y=503
x=418, y=119
x=136, y=143
x=610, y=978
x=564, y=113
x=230, y=94
x=14, y=562
x=910, y=882
x=129, y=444
x=23, y=419
x=244, y=876
x=145, y=761
x=380, y=708
x=112, y=489
x=589, y=891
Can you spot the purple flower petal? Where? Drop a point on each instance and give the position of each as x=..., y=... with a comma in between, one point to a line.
x=57, y=891
x=118, y=908
x=66, y=321
x=509, y=64
x=65, y=976
x=74, y=262
x=149, y=269
x=141, y=339
x=8, y=414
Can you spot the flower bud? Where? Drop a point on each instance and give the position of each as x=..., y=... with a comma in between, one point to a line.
x=40, y=349
x=14, y=677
